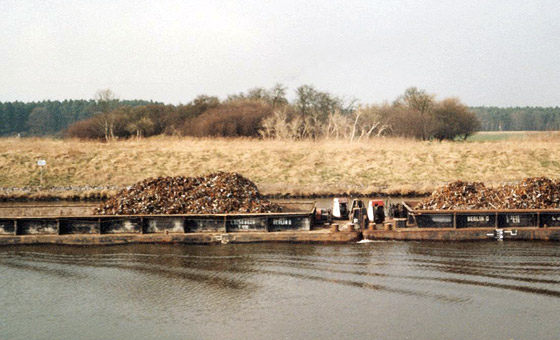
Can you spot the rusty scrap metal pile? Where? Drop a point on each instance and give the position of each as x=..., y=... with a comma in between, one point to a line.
x=215, y=193
x=530, y=193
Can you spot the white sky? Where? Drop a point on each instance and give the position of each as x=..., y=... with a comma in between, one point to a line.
x=504, y=53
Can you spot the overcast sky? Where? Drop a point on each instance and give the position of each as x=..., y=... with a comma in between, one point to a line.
x=503, y=53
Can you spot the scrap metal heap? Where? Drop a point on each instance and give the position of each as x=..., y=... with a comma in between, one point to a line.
x=533, y=193
x=216, y=193
x=530, y=193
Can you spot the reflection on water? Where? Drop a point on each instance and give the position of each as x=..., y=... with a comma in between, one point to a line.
x=378, y=290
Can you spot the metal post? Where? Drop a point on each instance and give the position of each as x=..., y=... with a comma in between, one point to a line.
x=41, y=163
x=454, y=220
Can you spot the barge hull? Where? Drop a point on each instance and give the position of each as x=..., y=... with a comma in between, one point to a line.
x=184, y=238
x=471, y=234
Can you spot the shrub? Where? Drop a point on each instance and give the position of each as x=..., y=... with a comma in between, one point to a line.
x=240, y=118
x=86, y=129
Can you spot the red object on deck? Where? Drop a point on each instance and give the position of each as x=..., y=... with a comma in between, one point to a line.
x=378, y=202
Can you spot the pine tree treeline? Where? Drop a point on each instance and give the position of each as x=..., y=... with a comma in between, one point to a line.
x=49, y=117
x=518, y=118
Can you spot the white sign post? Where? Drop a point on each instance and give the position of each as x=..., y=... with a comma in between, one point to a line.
x=41, y=163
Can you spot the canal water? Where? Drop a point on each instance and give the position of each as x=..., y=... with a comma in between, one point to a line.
x=377, y=290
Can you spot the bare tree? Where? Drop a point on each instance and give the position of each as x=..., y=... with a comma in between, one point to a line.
x=305, y=97
x=337, y=126
x=278, y=95
x=276, y=126
x=420, y=103
x=369, y=120
x=106, y=101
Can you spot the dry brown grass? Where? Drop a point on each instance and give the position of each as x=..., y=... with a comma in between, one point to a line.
x=388, y=166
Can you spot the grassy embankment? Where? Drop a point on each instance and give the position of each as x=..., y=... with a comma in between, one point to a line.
x=380, y=166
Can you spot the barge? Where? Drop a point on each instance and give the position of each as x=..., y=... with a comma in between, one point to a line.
x=295, y=224
x=470, y=225
x=300, y=222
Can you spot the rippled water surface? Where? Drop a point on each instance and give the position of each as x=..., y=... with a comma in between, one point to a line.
x=380, y=290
